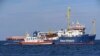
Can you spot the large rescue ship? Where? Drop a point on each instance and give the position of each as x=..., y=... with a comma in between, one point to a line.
x=75, y=33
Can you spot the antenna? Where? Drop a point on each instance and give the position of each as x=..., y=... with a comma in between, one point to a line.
x=26, y=34
x=77, y=22
x=68, y=18
x=49, y=31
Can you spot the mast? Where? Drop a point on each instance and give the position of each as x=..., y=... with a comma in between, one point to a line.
x=94, y=26
x=68, y=18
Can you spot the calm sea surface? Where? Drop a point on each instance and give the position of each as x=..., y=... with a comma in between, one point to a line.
x=49, y=50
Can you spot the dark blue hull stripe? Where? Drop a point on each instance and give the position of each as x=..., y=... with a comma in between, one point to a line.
x=75, y=40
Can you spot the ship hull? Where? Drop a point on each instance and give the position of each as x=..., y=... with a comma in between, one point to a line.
x=84, y=39
x=36, y=43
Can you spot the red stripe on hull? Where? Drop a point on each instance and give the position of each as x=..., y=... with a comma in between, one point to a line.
x=35, y=43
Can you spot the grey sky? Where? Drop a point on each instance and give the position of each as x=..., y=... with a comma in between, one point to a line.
x=20, y=16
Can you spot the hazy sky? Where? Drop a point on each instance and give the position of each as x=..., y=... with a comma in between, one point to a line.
x=20, y=16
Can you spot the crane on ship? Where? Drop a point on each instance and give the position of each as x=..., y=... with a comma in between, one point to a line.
x=68, y=18
x=94, y=27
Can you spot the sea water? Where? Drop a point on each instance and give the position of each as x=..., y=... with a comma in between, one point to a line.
x=50, y=50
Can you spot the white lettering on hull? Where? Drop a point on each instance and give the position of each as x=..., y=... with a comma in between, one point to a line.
x=66, y=40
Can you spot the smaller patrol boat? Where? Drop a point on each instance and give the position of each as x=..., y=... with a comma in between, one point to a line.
x=37, y=39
